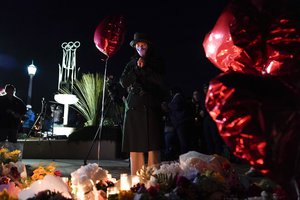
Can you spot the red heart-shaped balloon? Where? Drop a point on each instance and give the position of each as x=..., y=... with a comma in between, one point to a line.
x=109, y=35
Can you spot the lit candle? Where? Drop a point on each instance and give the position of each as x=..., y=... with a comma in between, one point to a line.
x=65, y=180
x=80, y=193
x=111, y=191
x=124, y=184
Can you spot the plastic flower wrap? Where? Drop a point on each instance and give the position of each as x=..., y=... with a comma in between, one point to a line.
x=15, y=172
x=170, y=169
x=204, y=162
x=49, y=182
x=9, y=190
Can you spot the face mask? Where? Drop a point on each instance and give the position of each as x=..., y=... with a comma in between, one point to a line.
x=141, y=48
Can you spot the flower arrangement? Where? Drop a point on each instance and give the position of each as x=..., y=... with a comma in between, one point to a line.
x=7, y=156
x=178, y=184
x=194, y=176
x=14, y=177
x=85, y=179
x=12, y=173
x=42, y=171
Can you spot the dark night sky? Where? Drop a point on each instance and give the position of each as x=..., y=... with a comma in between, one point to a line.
x=34, y=30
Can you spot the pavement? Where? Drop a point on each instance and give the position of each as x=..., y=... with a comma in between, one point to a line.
x=114, y=167
x=67, y=166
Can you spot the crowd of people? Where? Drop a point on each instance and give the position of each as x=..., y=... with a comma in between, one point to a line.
x=18, y=120
x=188, y=126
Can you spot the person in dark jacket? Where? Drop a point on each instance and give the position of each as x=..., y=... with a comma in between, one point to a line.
x=181, y=118
x=143, y=128
x=213, y=140
x=12, y=109
x=198, y=110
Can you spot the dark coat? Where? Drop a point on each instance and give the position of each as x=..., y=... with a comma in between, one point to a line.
x=143, y=127
x=179, y=110
x=11, y=112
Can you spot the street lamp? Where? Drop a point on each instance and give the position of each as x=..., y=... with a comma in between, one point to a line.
x=31, y=69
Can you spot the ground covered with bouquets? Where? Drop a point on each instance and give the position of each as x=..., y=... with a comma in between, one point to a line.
x=193, y=176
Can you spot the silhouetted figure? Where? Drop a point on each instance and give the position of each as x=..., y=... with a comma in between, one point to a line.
x=181, y=118
x=212, y=139
x=198, y=111
x=12, y=109
x=171, y=150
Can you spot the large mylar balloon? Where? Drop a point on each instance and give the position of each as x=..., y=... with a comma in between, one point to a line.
x=259, y=118
x=222, y=50
x=259, y=38
x=109, y=35
x=256, y=102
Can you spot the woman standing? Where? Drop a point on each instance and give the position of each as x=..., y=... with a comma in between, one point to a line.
x=143, y=128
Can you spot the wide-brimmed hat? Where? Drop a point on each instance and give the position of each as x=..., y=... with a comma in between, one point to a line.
x=139, y=37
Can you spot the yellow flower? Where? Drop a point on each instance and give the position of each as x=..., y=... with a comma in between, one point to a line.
x=4, y=195
x=3, y=150
x=50, y=168
x=41, y=172
x=35, y=177
x=7, y=156
x=15, y=153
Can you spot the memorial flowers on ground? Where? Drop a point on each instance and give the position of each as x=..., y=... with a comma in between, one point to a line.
x=193, y=176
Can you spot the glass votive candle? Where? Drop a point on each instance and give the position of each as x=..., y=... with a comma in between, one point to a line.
x=124, y=182
x=111, y=191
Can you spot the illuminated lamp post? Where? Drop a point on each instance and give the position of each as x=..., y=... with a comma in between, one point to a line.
x=31, y=69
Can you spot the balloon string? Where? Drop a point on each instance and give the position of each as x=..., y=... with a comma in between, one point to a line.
x=294, y=181
x=102, y=108
x=296, y=169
